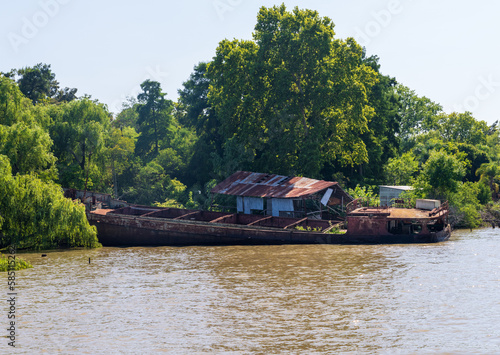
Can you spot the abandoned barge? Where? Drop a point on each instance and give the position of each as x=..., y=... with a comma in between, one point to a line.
x=274, y=209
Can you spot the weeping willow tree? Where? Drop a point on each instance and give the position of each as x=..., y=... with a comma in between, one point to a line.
x=35, y=215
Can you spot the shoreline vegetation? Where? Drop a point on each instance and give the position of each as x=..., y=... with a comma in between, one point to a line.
x=294, y=100
x=16, y=264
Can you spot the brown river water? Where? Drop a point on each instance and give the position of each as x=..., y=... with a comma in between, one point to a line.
x=325, y=299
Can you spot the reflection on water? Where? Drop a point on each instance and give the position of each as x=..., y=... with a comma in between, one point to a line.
x=436, y=298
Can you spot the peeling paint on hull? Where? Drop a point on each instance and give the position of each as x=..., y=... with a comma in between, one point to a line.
x=133, y=230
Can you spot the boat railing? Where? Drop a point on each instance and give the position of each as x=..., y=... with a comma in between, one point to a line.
x=444, y=207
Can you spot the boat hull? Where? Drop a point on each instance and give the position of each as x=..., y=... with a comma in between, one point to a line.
x=125, y=230
x=130, y=231
x=433, y=237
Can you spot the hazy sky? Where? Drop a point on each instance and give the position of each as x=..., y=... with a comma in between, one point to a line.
x=446, y=50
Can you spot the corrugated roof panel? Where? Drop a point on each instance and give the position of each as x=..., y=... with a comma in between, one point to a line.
x=244, y=183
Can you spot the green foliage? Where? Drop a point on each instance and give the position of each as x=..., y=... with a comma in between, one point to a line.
x=120, y=147
x=23, y=133
x=18, y=264
x=441, y=174
x=169, y=203
x=128, y=116
x=152, y=185
x=490, y=175
x=366, y=194
x=334, y=230
x=193, y=102
x=79, y=132
x=401, y=170
x=419, y=115
x=484, y=193
x=120, y=159
x=463, y=128
x=294, y=98
x=191, y=203
x=195, y=112
x=154, y=119
x=14, y=107
x=37, y=216
x=381, y=139
x=38, y=83
x=465, y=206
x=308, y=229
x=28, y=149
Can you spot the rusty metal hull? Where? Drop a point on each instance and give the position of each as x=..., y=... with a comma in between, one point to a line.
x=404, y=225
x=431, y=237
x=116, y=230
x=174, y=227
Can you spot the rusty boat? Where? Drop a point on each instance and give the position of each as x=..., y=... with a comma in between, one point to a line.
x=148, y=226
x=273, y=209
x=426, y=223
x=152, y=226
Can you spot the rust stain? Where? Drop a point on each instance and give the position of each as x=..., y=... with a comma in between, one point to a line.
x=244, y=183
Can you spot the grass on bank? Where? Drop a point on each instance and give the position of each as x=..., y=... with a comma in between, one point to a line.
x=19, y=264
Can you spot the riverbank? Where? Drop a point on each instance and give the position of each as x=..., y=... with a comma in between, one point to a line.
x=13, y=263
x=491, y=215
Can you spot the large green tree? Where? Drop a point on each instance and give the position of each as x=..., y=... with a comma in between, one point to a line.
x=23, y=135
x=463, y=128
x=154, y=119
x=490, y=174
x=294, y=98
x=401, y=170
x=382, y=137
x=419, y=115
x=441, y=174
x=194, y=111
x=38, y=83
x=35, y=215
x=79, y=132
x=28, y=149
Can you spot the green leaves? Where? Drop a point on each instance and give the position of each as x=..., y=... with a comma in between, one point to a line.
x=441, y=174
x=38, y=83
x=419, y=115
x=154, y=120
x=294, y=96
x=463, y=128
x=365, y=194
x=28, y=149
x=79, y=132
x=35, y=214
x=401, y=170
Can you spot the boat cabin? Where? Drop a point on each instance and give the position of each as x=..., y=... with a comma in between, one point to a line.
x=284, y=196
x=429, y=216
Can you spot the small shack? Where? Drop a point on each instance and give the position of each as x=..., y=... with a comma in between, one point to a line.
x=390, y=193
x=284, y=196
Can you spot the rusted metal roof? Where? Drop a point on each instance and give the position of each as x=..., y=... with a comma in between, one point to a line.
x=244, y=183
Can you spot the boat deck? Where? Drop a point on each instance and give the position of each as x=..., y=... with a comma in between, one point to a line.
x=219, y=218
x=398, y=213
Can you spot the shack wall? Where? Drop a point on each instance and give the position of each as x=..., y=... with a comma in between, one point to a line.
x=247, y=204
x=281, y=204
x=388, y=193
